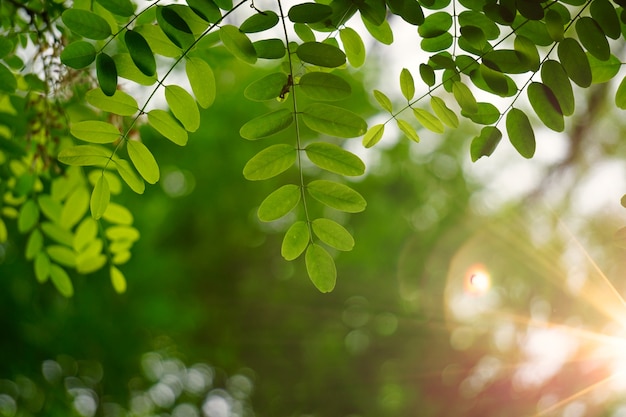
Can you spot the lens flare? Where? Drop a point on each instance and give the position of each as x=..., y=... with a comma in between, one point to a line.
x=477, y=280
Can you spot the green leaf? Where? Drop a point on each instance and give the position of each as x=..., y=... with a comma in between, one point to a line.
x=479, y=20
x=333, y=121
x=57, y=233
x=206, y=9
x=74, y=208
x=100, y=197
x=117, y=280
x=174, y=26
x=603, y=71
x=554, y=25
x=546, y=105
x=463, y=95
x=304, y=32
x=86, y=264
x=158, y=41
x=270, y=48
x=620, y=95
x=267, y=125
x=507, y=61
x=447, y=116
x=381, y=33
x=408, y=130
x=309, y=12
x=118, y=214
x=33, y=245
x=427, y=73
x=8, y=82
x=322, y=54
x=485, y=143
x=78, y=55
x=119, y=103
x=123, y=8
x=140, y=52
x=95, y=131
x=267, y=88
x=428, y=120
x=122, y=233
x=85, y=155
x=184, y=107
x=335, y=159
x=42, y=267
x=270, y=162
x=129, y=176
x=321, y=268
x=605, y=15
x=166, y=125
x=62, y=254
x=324, y=86
x=554, y=76
x=333, y=234
x=238, y=44
x=439, y=43
x=6, y=47
x=126, y=68
x=575, y=62
x=527, y=53
x=520, y=132
x=295, y=241
x=383, y=100
x=28, y=216
x=593, y=38
x=87, y=24
x=259, y=22
x=407, y=84
x=86, y=234
x=143, y=160
x=202, y=81
x=474, y=36
x=353, y=46
x=61, y=280
x=373, y=135
x=279, y=203
x=337, y=196
x=409, y=10
x=435, y=25
x=107, y=74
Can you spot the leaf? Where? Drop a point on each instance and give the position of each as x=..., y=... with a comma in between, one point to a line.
x=123, y=8
x=304, y=32
x=605, y=15
x=335, y=159
x=86, y=234
x=520, y=132
x=295, y=241
x=57, y=233
x=174, y=26
x=88, y=264
x=333, y=234
x=8, y=82
x=126, y=68
x=100, y=197
x=143, y=160
x=593, y=38
x=373, y=135
x=118, y=214
x=407, y=84
x=546, y=105
x=28, y=216
x=270, y=48
x=381, y=33
x=603, y=71
x=117, y=280
x=554, y=25
x=159, y=42
x=435, y=24
x=61, y=280
x=527, y=53
x=95, y=131
x=309, y=12
x=267, y=88
x=166, y=125
x=487, y=114
x=333, y=121
x=353, y=46
x=270, y=162
x=129, y=176
x=463, y=95
x=140, y=52
x=33, y=244
x=42, y=267
x=183, y=106
x=122, y=233
x=259, y=22
x=322, y=54
x=321, y=268
x=439, y=43
x=74, y=208
x=119, y=103
x=279, y=203
x=206, y=9
x=107, y=74
x=202, y=81
x=447, y=116
x=574, y=62
x=324, y=86
x=620, y=95
x=86, y=24
x=383, y=100
x=267, y=125
x=554, y=76
x=238, y=44
x=337, y=196
x=427, y=73
x=429, y=121
x=62, y=254
x=485, y=143
x=408, y=130
x=85, y=155
x=78, y=55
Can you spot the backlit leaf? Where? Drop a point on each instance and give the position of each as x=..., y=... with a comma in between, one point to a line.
x=202, y=81
x=407, y=84
x=324, y=86
x=427, y=74
x=42, y=267
x=603, y=71
x=428, y=120
x=381, y=33
x=554, y=76
x=140, y=52
x=166, y=125
x=61, y=280
x=74, y=208
x=86, y=233
x=333, y=121
x=62, y=254
x=593, y=38
x=238, y=43
x=321, y=54
x=159, y=42
x=554, y=25
x=259, y=22
x=485, y=143
x=527, y=53
x=118, y=214
x=174, y=26
x=270, y=162
x=8, y=82
x=143, y=160
x=78, y=55
x=206, y=9
x=304, y=32
x=520, y=132
x=435, y=25
x=333, y=234
x=267, y=124
x=605, y=15
x=408, y=130
x=620, y=95
x=447, y=116
x=353, y=46
x=100, y=197
x=184, y=107
x=95, y=131
x=87, y=24
x=574, y=61
x=33, y=244
x=129, y=176
x=267, y=88
x=383, y=100
x=279, y=203
x=126, y=68
x=28, y=216
x=85, y=155
x=123, y=233
x=321, y=268
x=335, y=159
x=107, y=73
x=438, y=43
x=117, y=280
x=57, y=233
x=270, y=48
x=337, y=196
x=464, y=97
x=546, y=105
x=295, y=241
x=373, y=135
x=119, y=103
x=119, y=7
x=309, y=12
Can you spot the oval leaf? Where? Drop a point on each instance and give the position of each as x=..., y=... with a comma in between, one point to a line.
x=86, y=24
x=183, y=106
x=295, y=241
x=321, y=268
x=575, y=62
x=407, y=84
x=117, y=280
x=119, y=7
x=143, y=160
x=554, y=76
x=520, y=132
x=129, y=176
x=202, y=81
x=335, y=159
x=324, y=86
x=267, y=125
x=444, y=113
x=267, y=88
x=429, y=121
x=593, y=38
x=95, y=131
x=238, y=43
x=166, y=125
x=353, y=45
x=373, y=135
x=309, y=12
x=337, y=196
x=119, y=103
x=259, y=22
x=546, y=105
x=334, y=121
x=107, y=74
x=270, y=162
x=79, y=54
x=140, y=52
x=485, y=143
x=333, y=234
x=279, y=203
x=85, y=155
x=100, y=198
x=61, y=281
x=322, y=54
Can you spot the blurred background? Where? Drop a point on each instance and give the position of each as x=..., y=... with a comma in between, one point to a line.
x=486, y=289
